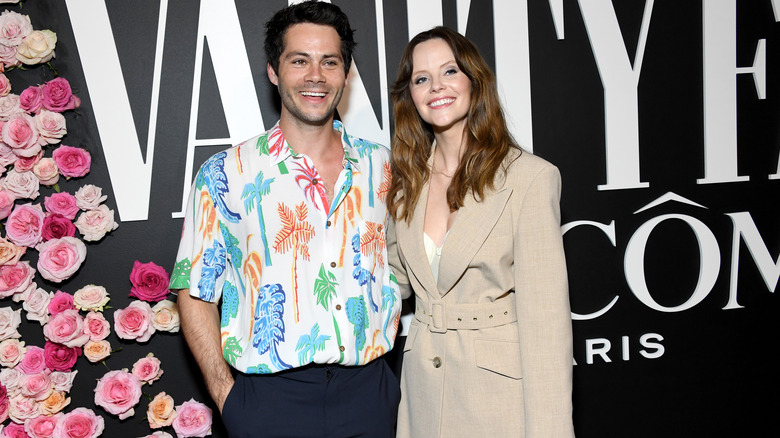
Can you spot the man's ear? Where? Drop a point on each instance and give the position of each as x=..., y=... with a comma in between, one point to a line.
x=272, y=74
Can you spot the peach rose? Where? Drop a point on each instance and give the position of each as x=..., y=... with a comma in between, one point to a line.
x=161, y=412
x=10, y=253
x=47, y=172
x=95, y=351
x=56, y=402
x=91, y=297
x=37, y=47
x=166, y=316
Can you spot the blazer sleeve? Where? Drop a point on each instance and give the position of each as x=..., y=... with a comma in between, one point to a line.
x=394, y=259
x=543, y=309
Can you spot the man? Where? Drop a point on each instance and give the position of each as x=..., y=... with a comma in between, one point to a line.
x=288, y=230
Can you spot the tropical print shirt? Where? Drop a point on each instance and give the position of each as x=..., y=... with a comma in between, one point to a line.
x=300, y=280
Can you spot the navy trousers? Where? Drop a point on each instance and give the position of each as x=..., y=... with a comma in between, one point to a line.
x=330, y=401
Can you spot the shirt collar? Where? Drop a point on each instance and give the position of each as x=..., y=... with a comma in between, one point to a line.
x=280, y=150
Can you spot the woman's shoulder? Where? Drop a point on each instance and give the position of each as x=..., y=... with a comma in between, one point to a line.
x=523, y=166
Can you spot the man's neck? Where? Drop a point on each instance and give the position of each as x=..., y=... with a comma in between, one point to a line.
x=315, y=141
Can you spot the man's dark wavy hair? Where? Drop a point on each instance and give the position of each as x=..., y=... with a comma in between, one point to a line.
x=310, y=11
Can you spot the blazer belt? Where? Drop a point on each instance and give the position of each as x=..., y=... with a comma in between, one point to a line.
x=441, y=317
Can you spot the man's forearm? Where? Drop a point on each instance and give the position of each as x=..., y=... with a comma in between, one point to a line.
x=200, y=325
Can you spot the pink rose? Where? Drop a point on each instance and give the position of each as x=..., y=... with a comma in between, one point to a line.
x=60, y=302
x=89, y=197
x=58, y=96
x=26, y=164
x=91, y=297
x=14, y=430
x=150, y=281
x=63, y=380
x=24, y=224
x=60, y=357
x=58, y=259
x=73, y=162
x=50, y=125
x=193, y=419
x=22, y=185
x=166, y=316
x=13, y=28
x=6, y=203
x=4, y=405
x=96, y=326
x=15, y=278
x=10, y=253
x=56, y=226
x=94, y=224
x=11, y=352
x=95, y=351
x=147, y=369
x=134, y=321
x=31, y=99
x=37, y=386
x=5, y=85
x=20, y=134
x=8, y=56
x=47, y=172
x=33, y=361
x=62, y=203
x=67, y=328
x=42, y=427
x=118, y=392
x=36, y=304
x=79, y=423
x=10, y=320
x=10, y=378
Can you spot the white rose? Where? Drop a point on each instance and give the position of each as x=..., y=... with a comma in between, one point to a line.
x=37, y=47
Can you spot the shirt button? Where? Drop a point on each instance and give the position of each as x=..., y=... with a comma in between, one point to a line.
x=338, y=306
x=327, y=224
x=341, y=348
x=436, y=362
x=332, y=264
x=314, y=181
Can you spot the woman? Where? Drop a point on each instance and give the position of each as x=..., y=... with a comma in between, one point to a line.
x=489, y=351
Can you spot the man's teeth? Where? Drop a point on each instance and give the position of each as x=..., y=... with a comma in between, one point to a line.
x=440, y=102
x=312, y=93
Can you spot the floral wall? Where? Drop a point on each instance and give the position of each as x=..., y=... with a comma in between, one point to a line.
x=661, y=116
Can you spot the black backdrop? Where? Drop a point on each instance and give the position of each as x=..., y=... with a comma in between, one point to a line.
x=662, y=346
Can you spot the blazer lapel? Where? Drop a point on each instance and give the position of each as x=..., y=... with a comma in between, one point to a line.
x=472, y=226
x=410, y=240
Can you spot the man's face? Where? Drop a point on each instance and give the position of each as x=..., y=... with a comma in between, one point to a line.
x=311, y=74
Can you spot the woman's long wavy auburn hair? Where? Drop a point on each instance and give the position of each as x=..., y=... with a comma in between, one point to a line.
x=487, y=139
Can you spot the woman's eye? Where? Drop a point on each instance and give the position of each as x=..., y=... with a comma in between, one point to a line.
x=420, y=80
x=451, y=71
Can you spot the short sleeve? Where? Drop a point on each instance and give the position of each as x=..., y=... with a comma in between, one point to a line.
x=202, y=257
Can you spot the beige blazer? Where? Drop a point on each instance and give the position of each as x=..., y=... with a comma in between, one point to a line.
x=489, y=352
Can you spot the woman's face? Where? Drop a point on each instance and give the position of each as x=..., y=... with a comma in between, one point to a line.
x=440, y=90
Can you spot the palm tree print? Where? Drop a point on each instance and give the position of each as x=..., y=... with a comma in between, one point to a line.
x=231, y=350
x=365, y=148
x=387, y=178
x=253, y=196
x=212, y=175
x=295, y=234
x=347, y=212
x=357, y=314
x=253, y=272
x=325, y=287
x=389, y=298
x=310, y=344
x=374, y=351
x=309, y=180
x=368, y=246
x=268, y=329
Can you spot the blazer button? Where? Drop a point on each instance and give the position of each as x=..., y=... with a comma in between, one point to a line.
x=436, y=362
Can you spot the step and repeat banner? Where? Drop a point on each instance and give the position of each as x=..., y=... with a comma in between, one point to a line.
x=661, y=115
